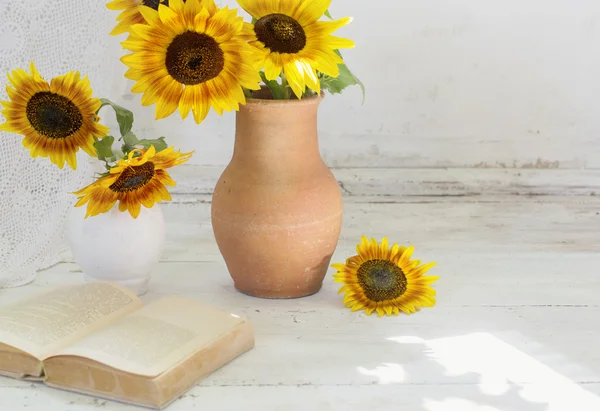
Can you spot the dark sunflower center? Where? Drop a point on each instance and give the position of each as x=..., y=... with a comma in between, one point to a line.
x=194, y=58
x=381, y=280
x=133, y=178
x=155, y=3
x=280, y=33
x=53, y=116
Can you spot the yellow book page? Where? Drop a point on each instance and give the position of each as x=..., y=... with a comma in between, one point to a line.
x=157, y=337
x=43, y=324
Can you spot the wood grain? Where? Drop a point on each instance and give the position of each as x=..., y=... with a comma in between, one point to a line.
x=516, y=325
x=436, y=182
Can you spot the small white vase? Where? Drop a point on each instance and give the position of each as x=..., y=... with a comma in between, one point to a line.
x=115, y=247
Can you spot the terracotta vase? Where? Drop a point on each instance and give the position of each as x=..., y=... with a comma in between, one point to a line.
x=277, y=208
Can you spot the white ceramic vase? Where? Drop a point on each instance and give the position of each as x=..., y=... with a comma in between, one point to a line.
x=116, y=247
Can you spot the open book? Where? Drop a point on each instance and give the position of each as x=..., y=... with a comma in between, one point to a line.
x=99, y=339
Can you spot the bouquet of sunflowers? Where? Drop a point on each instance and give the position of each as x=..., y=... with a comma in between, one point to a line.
x=192, y=55
x=187, y=56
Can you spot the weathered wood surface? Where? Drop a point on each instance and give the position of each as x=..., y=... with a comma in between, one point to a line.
x=516, y=326
x=435, y=182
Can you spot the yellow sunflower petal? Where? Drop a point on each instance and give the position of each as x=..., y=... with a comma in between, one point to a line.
x=200, y=20
x=149, y=14
x=374, y=247
x=415, y=263
x=201, y=105
x=258, y=9
x=191, y=9
x=312, y=80
x=388, y=309
x=219, y=26
x=295, y=78
x=177, y=5
x=396, y=252
x=166, y=179
x=429, y=279
x=325, y=28
x=169, y=100
x=355, y=260
x=337, y=43
x=307, y=76
x=344, y=289
x=363, y=249
x=384, y=249
x=71, y=160
x=325, y=62
x=406, y=255
x=148, y=155
x=273, y=66
x=187, y=101
x=424, y=268
x=170, y=18
x=339, y=267
x=140, y=33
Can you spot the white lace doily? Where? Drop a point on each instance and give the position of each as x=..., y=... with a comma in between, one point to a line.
x=59, y=36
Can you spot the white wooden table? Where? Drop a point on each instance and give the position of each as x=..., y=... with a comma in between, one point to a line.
x=516, y=327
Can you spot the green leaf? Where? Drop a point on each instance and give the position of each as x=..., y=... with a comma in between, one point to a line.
x=130, y=139
x=129, y=143
x=328, y=14
x=274, y=86
x=344, y=80
x=104, y=148
x=124, y=116
x=159, y=144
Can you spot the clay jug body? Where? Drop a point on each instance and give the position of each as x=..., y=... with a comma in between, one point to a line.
x=277, y=208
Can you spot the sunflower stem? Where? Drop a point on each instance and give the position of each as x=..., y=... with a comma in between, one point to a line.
x=285, y=86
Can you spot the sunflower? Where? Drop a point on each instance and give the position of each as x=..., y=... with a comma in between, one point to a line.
x=191, y=56
x=140, y=179
x=288, y=37
x=131, y=14
x=56, y=119
x=385, y=279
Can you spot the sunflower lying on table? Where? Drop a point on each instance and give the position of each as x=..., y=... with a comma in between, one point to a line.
x=385, y=280
x=59, y=118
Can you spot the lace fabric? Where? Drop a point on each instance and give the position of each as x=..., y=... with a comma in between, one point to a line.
x=59, y=36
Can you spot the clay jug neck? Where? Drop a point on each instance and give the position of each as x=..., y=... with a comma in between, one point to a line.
x=284, y=132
